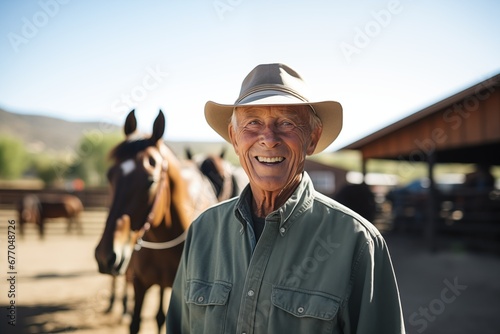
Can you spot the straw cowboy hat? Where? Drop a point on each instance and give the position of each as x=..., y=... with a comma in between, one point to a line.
x=276, y=84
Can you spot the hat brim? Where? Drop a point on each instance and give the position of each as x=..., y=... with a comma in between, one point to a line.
x=218, y=116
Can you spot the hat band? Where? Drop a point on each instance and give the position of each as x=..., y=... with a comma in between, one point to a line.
x=283, y=98
x=269, y=88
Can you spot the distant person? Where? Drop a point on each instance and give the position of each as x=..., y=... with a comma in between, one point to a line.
x=473, y=197
x=281, y=257
x=481, y=179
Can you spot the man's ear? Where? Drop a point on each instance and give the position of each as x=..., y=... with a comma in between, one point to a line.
x=232, y=137
x=315, y=135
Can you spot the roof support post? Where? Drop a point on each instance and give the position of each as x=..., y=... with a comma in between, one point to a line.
x=363, y=168
x=432, y=204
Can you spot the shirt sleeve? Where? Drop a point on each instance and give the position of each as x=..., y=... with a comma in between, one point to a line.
x=373, y=305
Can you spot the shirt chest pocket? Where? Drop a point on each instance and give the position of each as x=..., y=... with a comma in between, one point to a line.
x=305, y=311
x=206, y=293
x=208, y=301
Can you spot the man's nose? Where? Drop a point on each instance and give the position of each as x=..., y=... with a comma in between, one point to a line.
x=269, y=136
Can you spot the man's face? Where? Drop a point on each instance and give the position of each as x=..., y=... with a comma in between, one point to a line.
x=272, y=143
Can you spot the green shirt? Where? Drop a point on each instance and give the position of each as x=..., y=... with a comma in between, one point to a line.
x=318, y=267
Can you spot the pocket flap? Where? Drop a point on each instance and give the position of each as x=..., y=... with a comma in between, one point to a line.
x=206, y=293
x=302, y=303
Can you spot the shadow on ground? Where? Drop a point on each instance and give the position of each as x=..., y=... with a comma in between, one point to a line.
x=59, y=318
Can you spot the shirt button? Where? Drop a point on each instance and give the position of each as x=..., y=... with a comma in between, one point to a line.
x=250, y=293
x=200, y=299
x=282, y=230
x=300, y=310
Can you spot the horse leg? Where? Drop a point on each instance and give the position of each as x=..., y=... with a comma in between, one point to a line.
x=69, y=225
x=41, y=230
x=125, y=299
x=21, y=227
x=160, y=316
x=127, y=291
x=139, y=294
x=79, y=226
x=112, y=295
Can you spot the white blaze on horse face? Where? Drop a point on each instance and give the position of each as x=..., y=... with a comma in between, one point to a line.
x=127, y=166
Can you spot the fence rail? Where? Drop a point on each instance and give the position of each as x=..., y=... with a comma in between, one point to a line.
x=91, y=197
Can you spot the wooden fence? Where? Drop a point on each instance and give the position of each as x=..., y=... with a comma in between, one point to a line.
x=91, y=198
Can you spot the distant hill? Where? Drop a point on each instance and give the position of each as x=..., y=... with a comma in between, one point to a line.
x=42, y=133
x=46, y=133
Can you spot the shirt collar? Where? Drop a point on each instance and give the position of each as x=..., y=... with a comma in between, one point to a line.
x=299, y=201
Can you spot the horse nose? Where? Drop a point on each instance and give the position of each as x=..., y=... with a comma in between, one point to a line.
x=105, y=262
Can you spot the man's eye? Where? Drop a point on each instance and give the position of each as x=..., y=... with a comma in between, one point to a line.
x=286, y=124
x=253, y=122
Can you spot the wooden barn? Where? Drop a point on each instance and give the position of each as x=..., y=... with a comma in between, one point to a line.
x=463, y=128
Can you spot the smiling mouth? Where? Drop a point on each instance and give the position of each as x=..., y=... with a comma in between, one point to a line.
x=270, y=160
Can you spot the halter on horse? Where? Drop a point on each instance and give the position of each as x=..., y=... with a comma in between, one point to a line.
x=154, y=199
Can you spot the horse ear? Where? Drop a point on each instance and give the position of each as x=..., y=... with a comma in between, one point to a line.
x=223, y=152
x=158, y=127
x=130, y=123
x=189, y=154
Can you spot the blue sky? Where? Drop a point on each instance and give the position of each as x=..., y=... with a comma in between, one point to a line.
x=382, y=60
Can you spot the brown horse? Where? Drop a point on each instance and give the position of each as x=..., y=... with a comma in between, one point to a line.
x=224, y=177
x=155, y=197
x=38, y=208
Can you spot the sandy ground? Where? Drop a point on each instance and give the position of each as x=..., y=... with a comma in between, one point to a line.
x=58, y=288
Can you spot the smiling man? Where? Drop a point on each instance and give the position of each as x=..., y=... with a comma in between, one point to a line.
x=281, y=257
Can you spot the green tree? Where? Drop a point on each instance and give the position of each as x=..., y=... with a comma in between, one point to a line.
x=92, y=160
x=49, y=168
x=13, y=158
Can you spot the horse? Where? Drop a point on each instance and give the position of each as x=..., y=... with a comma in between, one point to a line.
x=155, y=197
x=38, y=208
x=221, y=173
x=359, y=198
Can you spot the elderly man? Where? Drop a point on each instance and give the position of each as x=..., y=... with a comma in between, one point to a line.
x=281, y=257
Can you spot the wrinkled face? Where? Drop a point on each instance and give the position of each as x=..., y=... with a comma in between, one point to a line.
x=272, y=143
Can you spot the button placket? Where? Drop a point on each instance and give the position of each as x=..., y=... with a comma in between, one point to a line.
x=254, y=277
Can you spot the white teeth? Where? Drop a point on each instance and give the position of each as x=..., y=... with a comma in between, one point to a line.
x=270, y=160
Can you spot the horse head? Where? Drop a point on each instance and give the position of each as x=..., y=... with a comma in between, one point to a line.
x=139, y=180
x=29, y=209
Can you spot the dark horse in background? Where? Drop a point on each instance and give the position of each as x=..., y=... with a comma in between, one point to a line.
x=359, y=198
x=38, y=208
x=223, y=176
x=155, y=197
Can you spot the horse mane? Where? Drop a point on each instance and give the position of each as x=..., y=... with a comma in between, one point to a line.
x=128, y=149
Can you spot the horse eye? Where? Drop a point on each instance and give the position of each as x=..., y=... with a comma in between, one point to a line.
x=109, y=174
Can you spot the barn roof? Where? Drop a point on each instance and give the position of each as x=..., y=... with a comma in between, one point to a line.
x=464, y=128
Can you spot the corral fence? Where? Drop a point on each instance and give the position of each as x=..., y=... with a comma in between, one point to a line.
x=92, y=198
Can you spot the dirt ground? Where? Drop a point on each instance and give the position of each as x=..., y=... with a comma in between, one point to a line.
x=58, y=288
